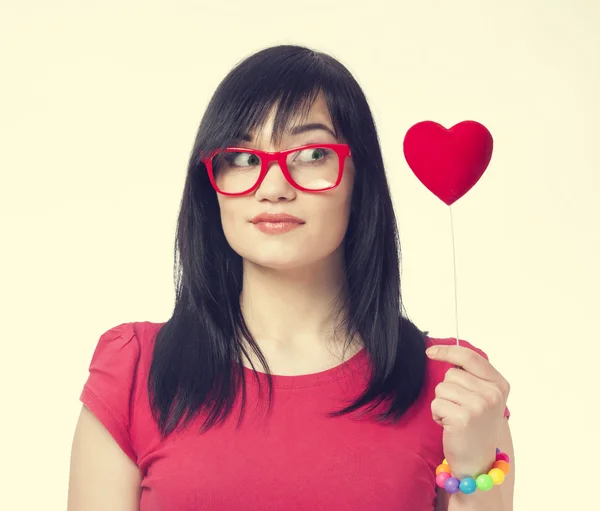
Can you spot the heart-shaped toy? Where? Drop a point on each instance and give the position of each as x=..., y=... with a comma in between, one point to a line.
x=449, y=162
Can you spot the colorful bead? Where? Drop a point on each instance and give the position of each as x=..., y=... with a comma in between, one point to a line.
x=468, y=485
x=441, y=478
x=502, y=465
x=452, y=485
x=497, y=476
x=502, y=456
x=442, y=468
x=484, y=482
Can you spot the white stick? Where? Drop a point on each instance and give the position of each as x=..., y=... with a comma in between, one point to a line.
x=455, y=286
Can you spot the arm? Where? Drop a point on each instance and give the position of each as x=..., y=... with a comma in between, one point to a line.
x=499, y=498
x=101, y=475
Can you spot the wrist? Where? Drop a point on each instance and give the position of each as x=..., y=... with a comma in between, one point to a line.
x=474, y=467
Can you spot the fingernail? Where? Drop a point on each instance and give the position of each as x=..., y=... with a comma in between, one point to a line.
x=431, y=352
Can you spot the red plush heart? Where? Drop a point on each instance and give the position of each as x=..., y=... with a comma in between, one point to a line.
x=448, y=161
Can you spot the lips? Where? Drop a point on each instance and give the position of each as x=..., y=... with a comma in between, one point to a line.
x=276, y=223
x=274, y=218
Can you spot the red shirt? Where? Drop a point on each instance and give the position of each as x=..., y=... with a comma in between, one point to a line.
x=296, y=459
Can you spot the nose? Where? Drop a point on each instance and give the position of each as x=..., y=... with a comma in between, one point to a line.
x=275, y=186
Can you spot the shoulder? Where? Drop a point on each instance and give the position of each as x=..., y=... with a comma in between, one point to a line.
x=141, y=331
x=119, y=351
x=120, y=360
x=131, y=338
x=117, y=373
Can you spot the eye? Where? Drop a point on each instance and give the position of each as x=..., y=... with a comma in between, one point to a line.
x=311, y=155
x=242, y=159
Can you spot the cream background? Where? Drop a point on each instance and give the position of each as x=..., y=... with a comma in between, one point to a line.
x=99, y=107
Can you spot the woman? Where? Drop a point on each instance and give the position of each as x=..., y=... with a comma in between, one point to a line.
x=288, y=377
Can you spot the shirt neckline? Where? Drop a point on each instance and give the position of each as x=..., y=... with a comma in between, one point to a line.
x=342, y=370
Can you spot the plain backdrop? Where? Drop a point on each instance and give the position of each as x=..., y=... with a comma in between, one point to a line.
x=99, y=106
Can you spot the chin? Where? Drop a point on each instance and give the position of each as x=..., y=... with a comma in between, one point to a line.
x=287, y=259
x=288, y=254
x=278, y=263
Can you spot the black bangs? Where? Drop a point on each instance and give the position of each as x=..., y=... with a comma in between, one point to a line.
x=281, y=78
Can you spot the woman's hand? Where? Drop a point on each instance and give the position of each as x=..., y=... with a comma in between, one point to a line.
x=469, y=405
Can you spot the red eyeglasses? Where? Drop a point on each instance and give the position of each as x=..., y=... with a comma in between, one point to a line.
x=309, y=168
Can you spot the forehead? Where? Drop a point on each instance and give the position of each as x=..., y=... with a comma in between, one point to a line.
x=316, y=115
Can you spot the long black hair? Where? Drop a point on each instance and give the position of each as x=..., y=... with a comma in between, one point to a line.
x=197, y=358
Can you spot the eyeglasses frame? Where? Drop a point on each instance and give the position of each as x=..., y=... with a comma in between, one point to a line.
x=266, y=157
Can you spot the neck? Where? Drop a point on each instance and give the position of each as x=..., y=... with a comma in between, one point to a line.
x=297, y=312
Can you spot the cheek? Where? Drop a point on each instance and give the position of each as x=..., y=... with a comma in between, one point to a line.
x=232, y=220
x=329, y=214
x=329, y=217
x=330, y=221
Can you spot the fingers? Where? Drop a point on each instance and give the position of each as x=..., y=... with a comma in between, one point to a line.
x=467, y=359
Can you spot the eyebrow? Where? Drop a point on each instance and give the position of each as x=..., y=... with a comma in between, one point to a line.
x=297, y=130
x=303, y=128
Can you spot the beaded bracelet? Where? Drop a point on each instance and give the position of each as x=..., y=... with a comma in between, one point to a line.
x=484, y=482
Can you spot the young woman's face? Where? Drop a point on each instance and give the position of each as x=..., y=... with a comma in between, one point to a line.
x=324, y=214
